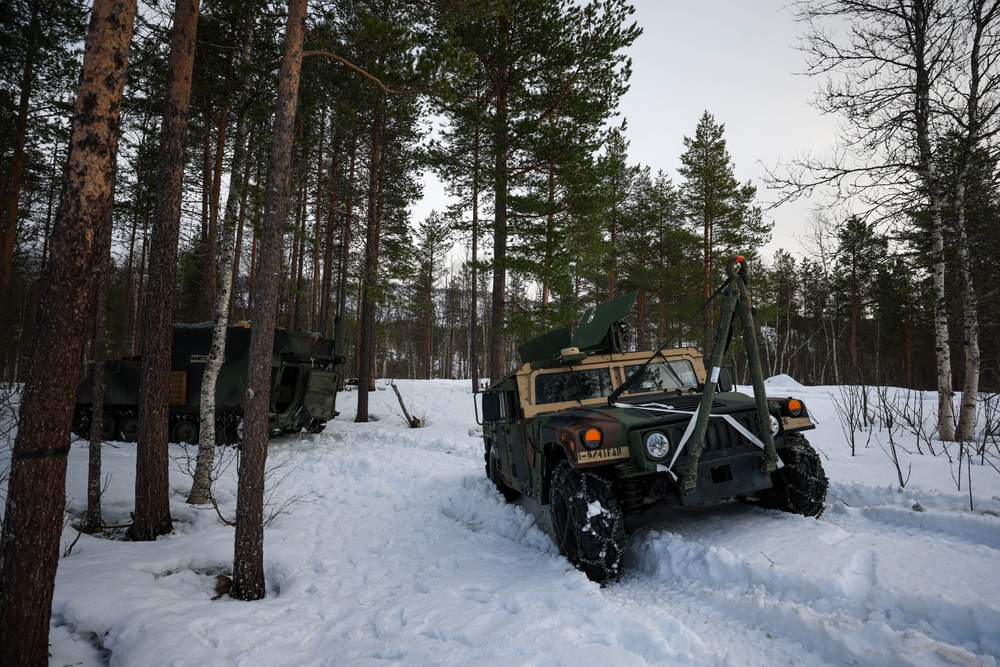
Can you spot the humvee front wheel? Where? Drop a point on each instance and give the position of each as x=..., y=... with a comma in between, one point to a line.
x=800, y=485
x=587, y=522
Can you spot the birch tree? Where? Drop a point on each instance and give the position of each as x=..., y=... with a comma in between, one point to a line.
x=882, y=78
x=201, y=484
x=976, y=82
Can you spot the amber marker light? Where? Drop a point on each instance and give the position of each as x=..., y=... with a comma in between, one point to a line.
x=592, y=438
x=794, y=407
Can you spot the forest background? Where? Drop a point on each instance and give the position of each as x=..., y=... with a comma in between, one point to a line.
x=193, y=168
x=581, y=223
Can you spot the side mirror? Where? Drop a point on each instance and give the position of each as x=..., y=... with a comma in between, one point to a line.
x=725, y=382
x=491, y=406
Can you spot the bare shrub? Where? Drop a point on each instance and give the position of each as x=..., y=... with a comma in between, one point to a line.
x=887, y=413
x=913, y=419
x=278, y=470
x=989, y=411
x=851, y=412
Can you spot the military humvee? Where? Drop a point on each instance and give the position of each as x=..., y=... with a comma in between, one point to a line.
x=605, y=436
x=304, y=381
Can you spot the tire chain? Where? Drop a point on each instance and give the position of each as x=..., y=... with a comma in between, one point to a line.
x=598, y=567
x=801, y=487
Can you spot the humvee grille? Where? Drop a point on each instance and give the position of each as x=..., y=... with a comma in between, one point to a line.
x=720, y=435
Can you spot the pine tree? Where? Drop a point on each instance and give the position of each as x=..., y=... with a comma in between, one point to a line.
x=658, y=259
x=616, y=181
x=152, y=506
x=433, y=240
x=248, y=558
x=556, y=71
x=33, y=519
x=39, y=40
x=716, y=204
x=860, y=258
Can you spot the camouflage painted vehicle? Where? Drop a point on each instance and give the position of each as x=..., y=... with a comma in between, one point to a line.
x=304, y=381
x=606, y=437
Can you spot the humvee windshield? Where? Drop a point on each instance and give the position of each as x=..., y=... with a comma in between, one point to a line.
x=663, y=376
x=572, y=385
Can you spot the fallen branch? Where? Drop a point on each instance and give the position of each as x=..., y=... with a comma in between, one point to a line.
x=412, y=421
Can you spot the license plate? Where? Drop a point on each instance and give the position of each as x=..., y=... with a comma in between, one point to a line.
x=591, y=455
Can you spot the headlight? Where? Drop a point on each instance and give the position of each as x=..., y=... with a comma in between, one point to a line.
x=657, y=445
x=774, y=425
x=592, y=438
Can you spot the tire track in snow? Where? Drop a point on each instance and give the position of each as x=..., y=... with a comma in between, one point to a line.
x=846, y=610
x=963, y=532
x=935, y=516
x=704, y=619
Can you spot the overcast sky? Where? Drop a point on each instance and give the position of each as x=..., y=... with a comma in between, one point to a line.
x=737, y=60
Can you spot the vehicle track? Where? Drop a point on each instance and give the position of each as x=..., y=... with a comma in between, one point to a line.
x=840, y=601
x=934, y=515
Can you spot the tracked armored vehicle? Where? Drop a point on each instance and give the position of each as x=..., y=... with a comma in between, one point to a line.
x=605, y=437
x=304, y=381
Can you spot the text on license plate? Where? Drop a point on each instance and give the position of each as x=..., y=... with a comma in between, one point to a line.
x=591, y=455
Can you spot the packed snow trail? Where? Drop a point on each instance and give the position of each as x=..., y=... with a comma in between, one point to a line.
x=392, y=548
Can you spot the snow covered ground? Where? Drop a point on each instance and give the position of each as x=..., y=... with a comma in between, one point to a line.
x=392, y=548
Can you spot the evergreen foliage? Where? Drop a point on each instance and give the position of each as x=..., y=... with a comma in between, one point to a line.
x=512, y=106
x=718, y=207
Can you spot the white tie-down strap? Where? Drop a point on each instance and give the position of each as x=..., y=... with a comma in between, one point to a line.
x=664, y=409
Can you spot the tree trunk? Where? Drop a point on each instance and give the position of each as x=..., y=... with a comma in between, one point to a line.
x=983, y=37
x=942, y=347
x=429, y=320
x=299, y=268
x=326, y=285
x=366, y=350
x=248, y=559
x=318, y=227
x=129, y=281
x=613, y=234
x=152, y=490
x=970, y=323
x=640, y=326
x=919, y=33
x=8, y=223
x=238, y=246
x=201, y=305
x=36, y=492
x=292, y=264
x=474, y=316
x=497, y=363
x=53, y=192
x=345, y=254
x=93, y=520
x=201, y=487
x=210, y=285
x=133, y=287
x=140, y=292
x=706, y=286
